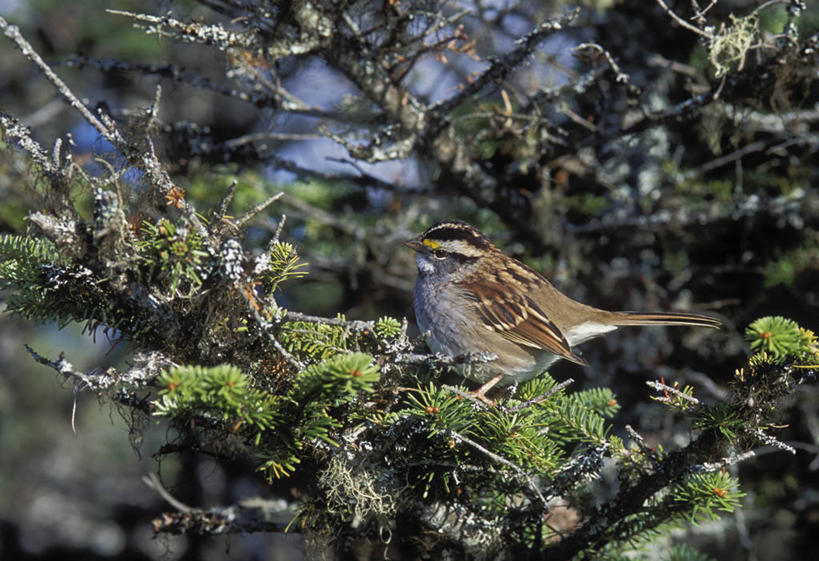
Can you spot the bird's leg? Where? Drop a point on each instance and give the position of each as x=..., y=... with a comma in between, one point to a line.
x=480, y=393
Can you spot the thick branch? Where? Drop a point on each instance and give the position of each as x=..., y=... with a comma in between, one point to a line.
x=216, y=521
x=603, y=522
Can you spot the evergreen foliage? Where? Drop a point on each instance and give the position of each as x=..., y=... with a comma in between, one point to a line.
x=277, y=426
x=780, y=337
x=336, y=410
x=317, y=341
x=284, y=264
x=359, y=418
x=221, y=391
x=705, y=495
x=23, y=265
x=173, y=257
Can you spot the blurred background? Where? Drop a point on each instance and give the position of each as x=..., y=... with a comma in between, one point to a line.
x=712, y=208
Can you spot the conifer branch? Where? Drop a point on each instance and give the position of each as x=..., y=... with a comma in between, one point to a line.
x=356, y=325
x=543, y=397
x=352, y=410
x=530, y=482
x=607, y=520
x=265, y=326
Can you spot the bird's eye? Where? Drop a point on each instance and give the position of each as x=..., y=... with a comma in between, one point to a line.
x=439, y=254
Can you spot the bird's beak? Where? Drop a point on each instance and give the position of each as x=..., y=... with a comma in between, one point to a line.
x=415, y=245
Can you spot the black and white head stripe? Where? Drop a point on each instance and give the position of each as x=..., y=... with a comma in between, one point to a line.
x=456, y=236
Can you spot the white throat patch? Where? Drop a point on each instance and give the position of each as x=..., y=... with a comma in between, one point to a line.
x=425, y=266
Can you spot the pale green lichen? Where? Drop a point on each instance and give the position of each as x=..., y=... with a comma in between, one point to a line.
x=729, y=46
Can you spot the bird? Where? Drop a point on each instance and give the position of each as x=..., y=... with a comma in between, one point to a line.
x=472, y=300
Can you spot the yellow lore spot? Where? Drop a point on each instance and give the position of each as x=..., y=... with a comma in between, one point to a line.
x=432, y=244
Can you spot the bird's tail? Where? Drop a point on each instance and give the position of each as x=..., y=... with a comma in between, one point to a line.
x=664, y=318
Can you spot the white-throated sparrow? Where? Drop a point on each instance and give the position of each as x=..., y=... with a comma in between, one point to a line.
x=474, y=300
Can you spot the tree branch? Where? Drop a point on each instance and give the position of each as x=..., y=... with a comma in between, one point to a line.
x=604, y=518
x=500, y=67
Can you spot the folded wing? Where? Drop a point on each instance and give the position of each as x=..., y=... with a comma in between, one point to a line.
x=517, y=318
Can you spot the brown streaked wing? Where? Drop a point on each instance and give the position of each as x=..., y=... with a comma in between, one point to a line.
x=518, y=319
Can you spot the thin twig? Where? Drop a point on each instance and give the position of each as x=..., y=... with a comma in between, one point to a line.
x=684, y=23
x=191, y=32
x=320, y=215
x=700, y=12
x=764, y=5
x=766, y=438
x=179, y=75
x=501, y=66
x=364, y=178
x=143, y=373
x=152, y=481
x=500, y=459
x=469, y=396
x=262, y=136
x=638, y=439
x=541, y=398
x=757, y=146
x=246, y=217
x=734, y=458
x=620, y=76
x=277, y=235
x=93, y=380
x=13, y=129
x=660, y=387
x=706, y=382
x=224, y=202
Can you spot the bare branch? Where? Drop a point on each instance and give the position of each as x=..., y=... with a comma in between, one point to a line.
x=224, y=202
x=247, y=216
x=620, y=76
x=215, y=35
x=13, y=33
x=16, y=131
x=660, y=387
x=234, y=519
x=152, y=481
x=684, y=23
x=147, y=367
x=500, y=67
x=356, y=325
x=541, y=398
